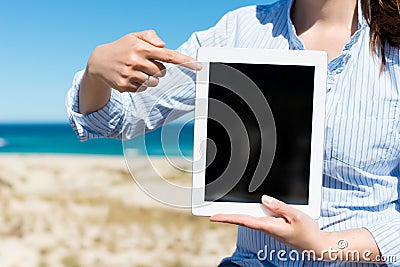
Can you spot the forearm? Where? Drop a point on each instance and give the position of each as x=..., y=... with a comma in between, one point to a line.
x=349, y=245
x=93, y=93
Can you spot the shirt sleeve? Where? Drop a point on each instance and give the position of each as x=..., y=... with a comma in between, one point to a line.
x=387, y=235
x=127, y=115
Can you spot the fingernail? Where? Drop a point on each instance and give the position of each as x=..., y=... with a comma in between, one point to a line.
x=267, y=200
x=198, y=66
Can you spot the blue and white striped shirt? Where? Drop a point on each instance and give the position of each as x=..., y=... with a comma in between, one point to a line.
x=362, y=148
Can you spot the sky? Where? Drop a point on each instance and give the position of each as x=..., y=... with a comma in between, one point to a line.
x=44, y=43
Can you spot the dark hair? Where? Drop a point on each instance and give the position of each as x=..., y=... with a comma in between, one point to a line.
x=383, y=17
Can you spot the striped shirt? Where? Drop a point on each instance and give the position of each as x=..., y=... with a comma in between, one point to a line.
x=362, y=147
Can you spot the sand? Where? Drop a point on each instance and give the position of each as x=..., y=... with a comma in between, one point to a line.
x=71, y=211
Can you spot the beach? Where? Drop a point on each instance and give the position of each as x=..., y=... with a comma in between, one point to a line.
x=87, y=210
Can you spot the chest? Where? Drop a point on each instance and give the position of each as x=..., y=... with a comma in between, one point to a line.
x=362, y=127
x=331, y=40
x=363, y=116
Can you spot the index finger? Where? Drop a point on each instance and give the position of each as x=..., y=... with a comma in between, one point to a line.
x=263, y=224
x=270, y=225
x=174, y=57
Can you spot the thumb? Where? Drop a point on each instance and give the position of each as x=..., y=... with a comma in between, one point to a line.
x=150, y=37
x=279, y=208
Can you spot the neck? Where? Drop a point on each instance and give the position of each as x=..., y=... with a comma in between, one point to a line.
x=337, y=13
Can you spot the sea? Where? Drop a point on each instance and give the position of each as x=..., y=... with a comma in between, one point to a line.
x=171, y=140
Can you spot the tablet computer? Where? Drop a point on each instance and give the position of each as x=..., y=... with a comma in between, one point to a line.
x=259, y=129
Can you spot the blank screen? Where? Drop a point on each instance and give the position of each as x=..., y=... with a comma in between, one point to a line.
x=288, y=89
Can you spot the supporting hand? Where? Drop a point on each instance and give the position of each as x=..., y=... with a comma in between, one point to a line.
x=289, y=226
x=300, y=232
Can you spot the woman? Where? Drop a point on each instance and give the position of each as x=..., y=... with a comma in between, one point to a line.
x=361, y=206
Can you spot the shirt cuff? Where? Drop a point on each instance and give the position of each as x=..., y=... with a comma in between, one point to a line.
x=387, y=236
x=100, y=124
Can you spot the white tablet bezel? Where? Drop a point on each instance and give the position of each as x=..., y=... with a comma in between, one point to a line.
x=318, y=59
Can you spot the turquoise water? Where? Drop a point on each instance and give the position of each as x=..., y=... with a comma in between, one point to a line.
x=173, y=140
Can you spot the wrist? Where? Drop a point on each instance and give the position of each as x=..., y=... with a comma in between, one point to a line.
x=94, y=93
x=323, y=243
x=331, y=246
x=318, y=245
x=92, y=81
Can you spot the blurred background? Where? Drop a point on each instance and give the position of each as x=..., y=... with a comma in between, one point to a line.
x=67, y=203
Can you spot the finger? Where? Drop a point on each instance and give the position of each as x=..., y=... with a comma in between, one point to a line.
x=151, y=37
x=153, y=68
x=265, y=224
x=152, y=81
x=143, y=79
x=280, y=208
x=132, y=87
x=174, y=57
x=239, y=219
x=162, y=70
x=137, y=87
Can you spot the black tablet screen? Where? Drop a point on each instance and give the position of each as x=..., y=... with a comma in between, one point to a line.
x=235, y=135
